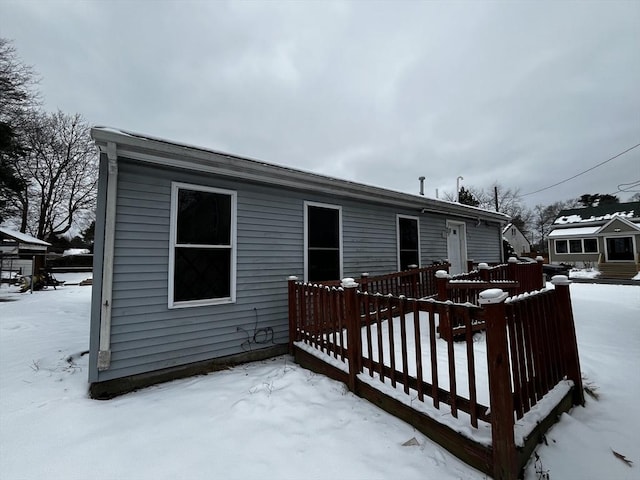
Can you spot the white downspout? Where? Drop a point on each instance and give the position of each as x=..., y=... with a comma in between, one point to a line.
x=104, y=353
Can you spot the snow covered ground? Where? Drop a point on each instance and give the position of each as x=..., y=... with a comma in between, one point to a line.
x=273, y=419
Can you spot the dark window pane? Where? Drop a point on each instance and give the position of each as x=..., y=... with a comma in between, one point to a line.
x=575, y=246
x=201, y=273
x=324, y=265
x=323, y=227
x=408, y=233
x=561, y=246
x=620, y=248
x=204, y=218
x=408, y=257
x=590, y=245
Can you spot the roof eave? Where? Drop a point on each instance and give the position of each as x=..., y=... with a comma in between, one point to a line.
x=162, y=152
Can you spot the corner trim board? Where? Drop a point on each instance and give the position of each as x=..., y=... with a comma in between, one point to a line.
x=104, y=353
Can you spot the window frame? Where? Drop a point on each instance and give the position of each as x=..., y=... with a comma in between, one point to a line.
x=621, y=236
x=417, y=220
x=232, y=246
x=578, y=243
x=597, y=250
x=555, y=246
x=582, y=246
x=308, y=204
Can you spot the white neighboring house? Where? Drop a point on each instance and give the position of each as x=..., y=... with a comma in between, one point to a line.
x=516, y=239
x=19, y=251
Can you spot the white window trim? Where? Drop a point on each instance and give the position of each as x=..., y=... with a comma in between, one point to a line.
x=597, y=246
x=555, y=245
x=306, y=234
x=569, y=252
x=410, y=217
x=175, y=186
x=634, y=248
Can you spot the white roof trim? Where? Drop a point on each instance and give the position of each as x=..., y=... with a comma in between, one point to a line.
x=574, y=232
x=163, y=152
x=23, y=237
x=631, y=225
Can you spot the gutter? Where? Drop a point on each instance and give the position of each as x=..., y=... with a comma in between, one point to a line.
x=104, y=352
x=161, y=152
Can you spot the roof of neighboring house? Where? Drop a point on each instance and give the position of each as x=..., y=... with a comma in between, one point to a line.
x=119, y=143
x=599, y=214
x=22, y=237
x=578, y=231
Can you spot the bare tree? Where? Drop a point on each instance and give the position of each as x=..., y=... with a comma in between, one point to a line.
x=61, y=171
x=18, y=99
x=543, y=218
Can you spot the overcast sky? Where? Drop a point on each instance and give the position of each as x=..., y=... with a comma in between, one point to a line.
x=522, y=93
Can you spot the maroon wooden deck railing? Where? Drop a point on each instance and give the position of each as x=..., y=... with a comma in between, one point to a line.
x=531, y=346
x=528, y=275
x=412, y=283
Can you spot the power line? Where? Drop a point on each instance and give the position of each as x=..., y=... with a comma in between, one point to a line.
x=628, y=187
x=582, y=173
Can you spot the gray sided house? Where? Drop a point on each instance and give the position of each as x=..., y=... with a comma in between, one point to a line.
x=193, y=248
x=606, y=237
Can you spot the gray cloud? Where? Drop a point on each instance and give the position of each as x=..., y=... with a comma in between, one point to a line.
x=524, y=93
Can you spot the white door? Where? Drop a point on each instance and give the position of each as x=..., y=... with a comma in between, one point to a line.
x=456, y=247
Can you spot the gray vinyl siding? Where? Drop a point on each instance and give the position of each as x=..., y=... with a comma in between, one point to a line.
x=146, y=335
x=482, y=241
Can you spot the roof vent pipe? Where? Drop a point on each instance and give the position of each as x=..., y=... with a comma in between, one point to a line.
x=421, y=185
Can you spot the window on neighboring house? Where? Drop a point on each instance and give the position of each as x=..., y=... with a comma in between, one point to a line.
x=575, y=246
x=590, y=245
x=408, y=242
x=561, y=246
x=202, y=246
x=620, y=248
x=323, y=242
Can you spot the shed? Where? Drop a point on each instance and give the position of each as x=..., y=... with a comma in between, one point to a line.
x=193, y=248
x=20, y=253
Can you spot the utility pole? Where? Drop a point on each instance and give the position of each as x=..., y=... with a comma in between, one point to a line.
x=495, y=196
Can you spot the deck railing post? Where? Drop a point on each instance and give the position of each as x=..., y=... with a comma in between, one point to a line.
x=293, y=312
x=354, y=338
x=414, y=280
x=512, y=270
x=505, y=462
x=483, y=268
x=442, y=278
x=540, y=274
x=364, y=282
x=568, y=335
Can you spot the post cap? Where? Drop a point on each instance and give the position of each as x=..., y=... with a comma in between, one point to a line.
x=513, y=260
x=492, y=296
x=413, y=265
x=560, y=280
x=364, y=274
x=292, y=277
x=442, y=274
x=483, y=266
x=539, y=259
x=348, y=283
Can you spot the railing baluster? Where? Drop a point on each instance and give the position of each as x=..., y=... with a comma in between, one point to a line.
x=418, y=347
x=392, y=350
x=403, y=343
